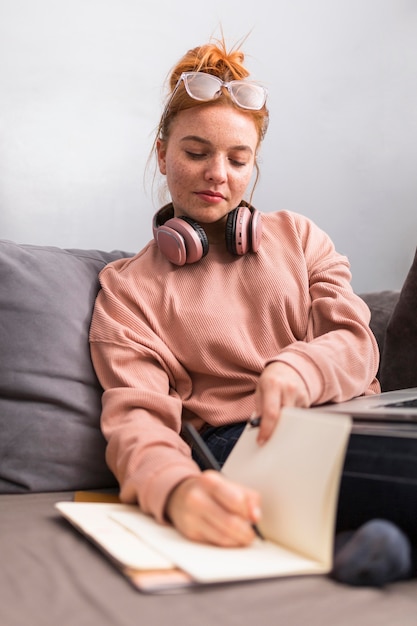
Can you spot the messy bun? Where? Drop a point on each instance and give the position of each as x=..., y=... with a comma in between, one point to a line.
x=212, y=58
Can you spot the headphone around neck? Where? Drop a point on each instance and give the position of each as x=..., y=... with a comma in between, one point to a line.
x=181, y=240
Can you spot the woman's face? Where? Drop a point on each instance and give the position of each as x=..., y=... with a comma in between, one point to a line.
x=208, y=160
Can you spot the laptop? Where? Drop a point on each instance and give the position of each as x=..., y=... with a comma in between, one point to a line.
x=391, y=413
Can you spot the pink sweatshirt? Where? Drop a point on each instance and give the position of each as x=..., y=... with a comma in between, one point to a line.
x=171, y=343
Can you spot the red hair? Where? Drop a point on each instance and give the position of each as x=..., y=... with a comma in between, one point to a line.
x=212, y=58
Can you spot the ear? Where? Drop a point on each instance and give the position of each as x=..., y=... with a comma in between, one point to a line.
x=161, y=152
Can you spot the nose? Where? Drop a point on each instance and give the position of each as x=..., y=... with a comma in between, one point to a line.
x=216, y=170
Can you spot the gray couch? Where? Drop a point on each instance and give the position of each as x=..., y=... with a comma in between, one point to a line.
x=51, y=445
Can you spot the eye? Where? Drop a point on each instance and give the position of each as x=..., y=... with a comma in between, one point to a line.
x=237, y=162
x=195, y=156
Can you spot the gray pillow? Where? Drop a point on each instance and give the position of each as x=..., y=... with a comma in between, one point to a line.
x=399, y=359
x=50, y=399
x=381, y=304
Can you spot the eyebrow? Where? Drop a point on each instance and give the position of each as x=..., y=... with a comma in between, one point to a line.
x=201, y=140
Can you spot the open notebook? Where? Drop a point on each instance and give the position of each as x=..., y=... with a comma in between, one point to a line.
x=297, y=473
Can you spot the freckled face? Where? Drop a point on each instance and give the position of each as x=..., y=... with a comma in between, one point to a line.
x=208, y=160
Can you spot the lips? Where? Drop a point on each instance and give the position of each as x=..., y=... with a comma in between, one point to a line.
x=210, y=196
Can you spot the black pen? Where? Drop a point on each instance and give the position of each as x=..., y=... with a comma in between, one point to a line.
x=197, y=443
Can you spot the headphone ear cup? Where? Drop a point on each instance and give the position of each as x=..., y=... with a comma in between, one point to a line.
x=195, y=237
x=243, y=230
x=181, y=240
x=256, y=230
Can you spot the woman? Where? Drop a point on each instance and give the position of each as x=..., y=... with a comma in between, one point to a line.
x=225, y=314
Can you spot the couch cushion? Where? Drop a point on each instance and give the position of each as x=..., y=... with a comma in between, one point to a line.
x=50, y=399
x=399, y=359
x=381, y=304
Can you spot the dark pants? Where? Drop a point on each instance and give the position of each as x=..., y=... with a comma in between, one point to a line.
x=220, y=441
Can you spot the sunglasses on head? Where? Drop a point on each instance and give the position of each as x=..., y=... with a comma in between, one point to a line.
x=204, y=87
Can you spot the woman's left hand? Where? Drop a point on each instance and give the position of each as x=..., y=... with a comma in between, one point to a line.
x=279, y=385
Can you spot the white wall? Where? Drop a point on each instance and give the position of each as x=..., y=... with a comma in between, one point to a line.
x=81, y=92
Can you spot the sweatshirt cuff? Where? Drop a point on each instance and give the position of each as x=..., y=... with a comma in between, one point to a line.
x=307, y=370
x=154, y=499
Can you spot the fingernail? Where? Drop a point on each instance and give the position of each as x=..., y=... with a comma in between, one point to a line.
x=256, y=513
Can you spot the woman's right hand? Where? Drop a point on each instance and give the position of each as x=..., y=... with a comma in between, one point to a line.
x=209, y=508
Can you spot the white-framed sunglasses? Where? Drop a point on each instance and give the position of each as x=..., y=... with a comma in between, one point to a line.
x=205, y=87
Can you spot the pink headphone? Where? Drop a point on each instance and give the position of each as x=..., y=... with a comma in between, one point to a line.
x=182, y=240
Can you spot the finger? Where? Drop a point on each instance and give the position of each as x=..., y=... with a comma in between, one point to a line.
x=269, y=410
x=239, y=506
x=199, y=515
x=227, y=530
x=273, y=394
x=231, y=496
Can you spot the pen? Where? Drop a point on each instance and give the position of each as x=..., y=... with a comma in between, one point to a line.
x=197, y=443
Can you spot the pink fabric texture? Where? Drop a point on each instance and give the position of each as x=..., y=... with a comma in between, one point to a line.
x=171, y=343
